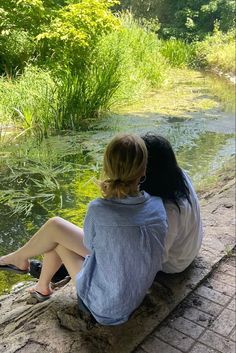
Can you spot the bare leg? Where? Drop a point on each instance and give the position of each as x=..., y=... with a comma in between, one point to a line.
x=51, y=263
x=71, y=260
x=54, y=232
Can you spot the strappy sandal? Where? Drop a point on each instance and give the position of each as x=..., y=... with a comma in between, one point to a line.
x=37, y=297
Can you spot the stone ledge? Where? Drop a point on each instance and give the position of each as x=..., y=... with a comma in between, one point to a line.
x=57, y=326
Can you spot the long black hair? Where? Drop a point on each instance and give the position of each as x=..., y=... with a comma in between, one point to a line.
x=164, y=178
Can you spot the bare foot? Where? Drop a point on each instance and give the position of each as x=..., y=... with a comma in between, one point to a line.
x=14, y=259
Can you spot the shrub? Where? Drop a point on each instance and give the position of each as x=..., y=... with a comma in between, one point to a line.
x=71, y=35
x=218, y=51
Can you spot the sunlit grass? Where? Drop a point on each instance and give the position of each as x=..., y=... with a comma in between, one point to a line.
x=177, y=52
x=123, y=66
x=26, y=101
x=218, y=51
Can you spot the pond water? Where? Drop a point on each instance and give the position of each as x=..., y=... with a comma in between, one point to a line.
x=56, y=177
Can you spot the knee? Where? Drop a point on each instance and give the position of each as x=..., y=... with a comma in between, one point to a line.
x=55, y=221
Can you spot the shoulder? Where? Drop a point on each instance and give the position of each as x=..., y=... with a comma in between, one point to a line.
x=96, y=204
x=186, y=176
x=154, y=200
x=193, y=194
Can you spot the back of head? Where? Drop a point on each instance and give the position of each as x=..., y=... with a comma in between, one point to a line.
x=124, y=163
x=164, y=177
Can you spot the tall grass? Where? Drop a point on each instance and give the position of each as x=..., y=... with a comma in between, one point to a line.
x=178, y=53
x=141, y=67
x=82, y=95
x=28, y=101
x=124, y=65
x=218, y=51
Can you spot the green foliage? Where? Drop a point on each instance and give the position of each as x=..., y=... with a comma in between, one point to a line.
x=51, y=30
x=26, y=15
x=63, y=37
x=217, y=51
x=20, y=21
x=17, y=48
x=81, y=96
x=141, y=64
x=185, y=19
x=28, y=100
x=178, y=53
x=69, y=61
x=72, y=35
x=118, y=66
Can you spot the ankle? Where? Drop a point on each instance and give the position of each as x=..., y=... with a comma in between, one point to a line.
x=44, y=288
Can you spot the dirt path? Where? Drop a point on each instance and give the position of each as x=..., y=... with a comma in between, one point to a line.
x=56, y=326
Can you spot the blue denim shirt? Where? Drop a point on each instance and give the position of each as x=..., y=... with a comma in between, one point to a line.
x=126, y=239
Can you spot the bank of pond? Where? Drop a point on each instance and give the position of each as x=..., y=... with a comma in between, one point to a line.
x=68, y=75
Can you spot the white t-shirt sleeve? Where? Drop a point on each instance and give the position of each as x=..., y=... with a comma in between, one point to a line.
x=173, y=227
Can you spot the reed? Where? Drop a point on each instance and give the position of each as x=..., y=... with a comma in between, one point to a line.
x=178, y=53
x=28, y=101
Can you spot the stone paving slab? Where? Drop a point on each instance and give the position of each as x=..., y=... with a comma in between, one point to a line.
x=203, y=322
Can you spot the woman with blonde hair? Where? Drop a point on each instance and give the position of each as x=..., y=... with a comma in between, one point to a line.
x=115, y=258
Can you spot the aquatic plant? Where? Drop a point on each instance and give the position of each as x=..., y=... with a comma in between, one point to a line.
x=27, y=184
x=81, y=96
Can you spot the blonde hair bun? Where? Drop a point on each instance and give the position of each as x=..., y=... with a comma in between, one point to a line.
x=124, y=163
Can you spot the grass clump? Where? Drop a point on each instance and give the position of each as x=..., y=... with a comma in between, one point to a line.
x=178, y=53
x=27, y=100
x=141, y=65
x=124, y=64
x=217, y=51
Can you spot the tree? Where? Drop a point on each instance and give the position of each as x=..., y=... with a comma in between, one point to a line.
x=187, y=19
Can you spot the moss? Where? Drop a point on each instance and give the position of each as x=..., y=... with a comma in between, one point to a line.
x=177, y=97
x=85, y=190
x=8, y=279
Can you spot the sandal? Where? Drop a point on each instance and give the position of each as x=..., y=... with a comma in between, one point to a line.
x=14, y=269
x=37, y=297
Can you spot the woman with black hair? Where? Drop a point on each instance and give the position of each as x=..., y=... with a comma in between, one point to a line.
x=164, y=178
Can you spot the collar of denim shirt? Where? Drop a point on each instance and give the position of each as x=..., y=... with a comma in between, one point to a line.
x=133, y=200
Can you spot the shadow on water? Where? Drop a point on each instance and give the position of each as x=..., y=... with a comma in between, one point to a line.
x=56, y=177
